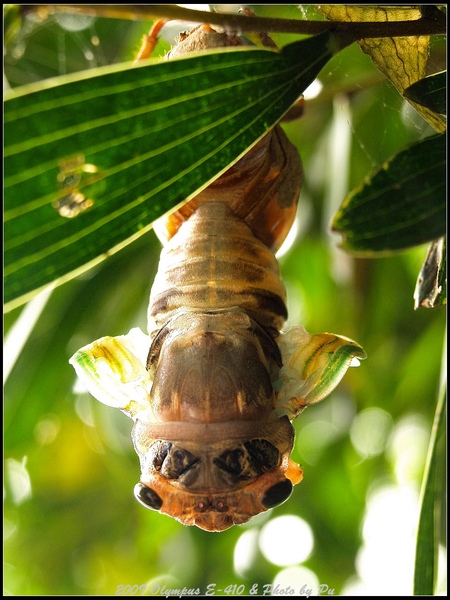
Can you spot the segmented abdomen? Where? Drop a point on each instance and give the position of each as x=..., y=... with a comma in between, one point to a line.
x=215, y=262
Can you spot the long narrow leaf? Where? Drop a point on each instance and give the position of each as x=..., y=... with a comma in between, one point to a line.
x=427, y=542
x=117, y=149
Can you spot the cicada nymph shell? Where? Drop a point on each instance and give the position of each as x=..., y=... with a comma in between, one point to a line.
x=213, y=390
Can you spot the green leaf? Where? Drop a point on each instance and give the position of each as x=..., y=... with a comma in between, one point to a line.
x=130, y=143
x=401, y=205
x=427, y=540
x=430, y=92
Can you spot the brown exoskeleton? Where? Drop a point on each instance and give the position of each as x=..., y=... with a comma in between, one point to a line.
x=213, y=388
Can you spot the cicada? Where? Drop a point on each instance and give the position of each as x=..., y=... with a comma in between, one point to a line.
x=215, y=385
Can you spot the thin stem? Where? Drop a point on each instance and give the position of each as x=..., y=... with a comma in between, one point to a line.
x=433, y=21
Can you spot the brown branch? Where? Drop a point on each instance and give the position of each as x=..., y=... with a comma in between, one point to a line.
x=433, y=21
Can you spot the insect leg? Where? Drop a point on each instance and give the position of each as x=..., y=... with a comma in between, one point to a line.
x=150, y=40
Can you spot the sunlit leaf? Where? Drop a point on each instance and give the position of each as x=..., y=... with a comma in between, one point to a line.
x=401, y=59
x=430, y=92
x=118, y=147
x=402, y=205
x=431, y=286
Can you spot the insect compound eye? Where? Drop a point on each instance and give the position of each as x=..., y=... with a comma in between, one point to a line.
x=147, y=497
x=277, y=494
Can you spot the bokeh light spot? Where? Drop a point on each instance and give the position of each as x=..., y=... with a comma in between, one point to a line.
x=303, y=581
x=369, y=431
x=286, y=540
x=385, y=561
x=407, y=448
x=18, y=480
x=245, y=552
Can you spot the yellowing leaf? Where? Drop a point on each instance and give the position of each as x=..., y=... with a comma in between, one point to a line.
x=400, y=59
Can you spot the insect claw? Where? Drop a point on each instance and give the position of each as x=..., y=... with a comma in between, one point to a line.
x=150, y=40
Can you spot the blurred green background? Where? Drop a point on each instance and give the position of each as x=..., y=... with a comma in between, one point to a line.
x=72, y=526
